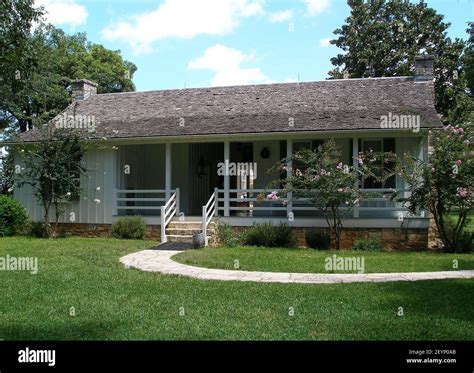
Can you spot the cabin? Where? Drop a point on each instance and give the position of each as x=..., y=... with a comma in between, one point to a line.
x=185, y=158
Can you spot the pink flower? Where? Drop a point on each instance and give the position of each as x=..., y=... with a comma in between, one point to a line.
x=339, y=166
x=340, y=190
x=466, y=142
x=458, y=162
x=273, y=196
x=462, y=192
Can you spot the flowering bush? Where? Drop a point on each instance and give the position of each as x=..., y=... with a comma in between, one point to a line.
x=443, y=185
x=325, y=181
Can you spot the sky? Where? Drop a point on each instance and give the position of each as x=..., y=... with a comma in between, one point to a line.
x=201, y=43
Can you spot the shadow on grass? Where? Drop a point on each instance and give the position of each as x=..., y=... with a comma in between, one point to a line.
x=55, y=331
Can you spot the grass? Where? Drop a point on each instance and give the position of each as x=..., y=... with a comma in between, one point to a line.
x=470, y=220
x=313, y=261
x=115, y=303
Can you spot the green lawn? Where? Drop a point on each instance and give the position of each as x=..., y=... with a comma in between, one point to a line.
x=115, y=303
x=313, y=261
x=470, y=221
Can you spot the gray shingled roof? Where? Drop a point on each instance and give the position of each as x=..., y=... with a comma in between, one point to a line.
x=349, y=104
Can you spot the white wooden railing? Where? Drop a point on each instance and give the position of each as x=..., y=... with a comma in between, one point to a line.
x=248, y=201
x=131, y=201
x=209, y=210
x=170, y=209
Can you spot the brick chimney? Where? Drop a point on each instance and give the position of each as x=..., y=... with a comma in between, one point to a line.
x=83, y=88
x=424, y=68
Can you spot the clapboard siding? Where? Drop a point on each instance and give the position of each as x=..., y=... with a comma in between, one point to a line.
x=100, y=174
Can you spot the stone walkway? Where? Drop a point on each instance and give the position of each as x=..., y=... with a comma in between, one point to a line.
x=160, y=261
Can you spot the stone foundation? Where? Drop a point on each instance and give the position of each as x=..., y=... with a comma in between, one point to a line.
x=393, y=238
x=152, y=232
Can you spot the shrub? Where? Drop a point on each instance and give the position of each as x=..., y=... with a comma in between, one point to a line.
x=225, y=235
x=13, y=216
x=318, y=239
x=267, y=234
x=38, y=229
x=368, y=245
x=130, y=227
x=465, y=242
x=284, y=236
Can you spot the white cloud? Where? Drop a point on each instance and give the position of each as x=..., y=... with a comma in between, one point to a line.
x=314, y=7
x=182, y=19
x=325, y=42
x=226, y=63
x=282, y=16
x=63, y=12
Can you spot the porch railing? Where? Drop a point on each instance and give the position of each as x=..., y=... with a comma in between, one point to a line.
x=246, y=201
x=209, y=210
x=139, y=199
x=170, y=209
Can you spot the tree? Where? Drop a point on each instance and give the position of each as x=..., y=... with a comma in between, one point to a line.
x=444, y=185
x=6, y=173
x=53, y=167
x=325, y=181
x=51, y=61
x=381, y=39
x=469, y=59
x=463, y=110
x=16, y=20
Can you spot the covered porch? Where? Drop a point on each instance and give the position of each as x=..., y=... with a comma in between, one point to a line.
x=203, y=179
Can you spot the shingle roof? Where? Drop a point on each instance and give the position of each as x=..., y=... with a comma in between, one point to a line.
x=349, y=104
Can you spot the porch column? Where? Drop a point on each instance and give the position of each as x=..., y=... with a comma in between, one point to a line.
x=355, y=164
x=289, y=172
x=424, y=149
x=168, y=172
x=226, y=177
x=423, y=156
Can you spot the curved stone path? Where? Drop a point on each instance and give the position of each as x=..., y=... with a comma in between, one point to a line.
x=160, y=261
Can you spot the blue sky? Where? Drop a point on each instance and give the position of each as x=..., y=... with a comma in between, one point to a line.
x=199, y=43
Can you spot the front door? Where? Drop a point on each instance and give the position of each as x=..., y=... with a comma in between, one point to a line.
x=203, y=160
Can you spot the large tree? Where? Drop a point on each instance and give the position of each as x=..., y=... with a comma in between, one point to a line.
x=51, y=60
x=469, y=59
x=381, y=39
x=16, y=22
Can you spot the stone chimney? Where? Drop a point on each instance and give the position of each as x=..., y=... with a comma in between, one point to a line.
x=424, y=68
x=83, y=88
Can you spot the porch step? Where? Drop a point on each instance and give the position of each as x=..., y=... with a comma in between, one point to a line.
x=182, y=230
x=188, y=224
x=187, y=231
x=181, y=238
